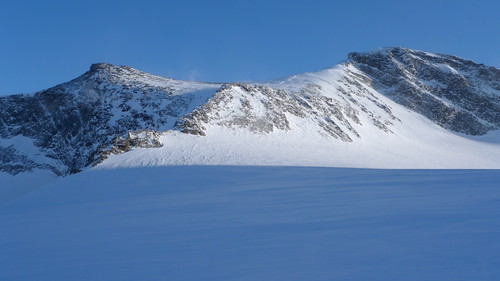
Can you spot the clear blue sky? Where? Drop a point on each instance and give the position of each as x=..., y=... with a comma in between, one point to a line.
x=43, y=43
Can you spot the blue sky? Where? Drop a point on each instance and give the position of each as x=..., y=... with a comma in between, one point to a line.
x=44, y=43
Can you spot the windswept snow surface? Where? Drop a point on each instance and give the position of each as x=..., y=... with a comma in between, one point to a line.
x=16, y=186
x=255, y=223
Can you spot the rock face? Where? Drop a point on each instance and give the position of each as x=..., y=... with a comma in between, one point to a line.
x=113, y=109
x=457, y=94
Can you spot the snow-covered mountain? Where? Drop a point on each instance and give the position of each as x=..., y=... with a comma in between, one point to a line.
x=391, y=108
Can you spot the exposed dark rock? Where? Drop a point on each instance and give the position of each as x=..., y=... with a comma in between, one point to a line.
x=14, y=163
x=134, y=139
x=453, y=92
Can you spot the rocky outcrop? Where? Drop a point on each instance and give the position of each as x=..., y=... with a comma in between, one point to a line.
x=134, y=139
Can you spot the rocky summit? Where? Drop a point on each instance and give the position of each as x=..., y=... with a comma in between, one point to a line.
x=374, y=101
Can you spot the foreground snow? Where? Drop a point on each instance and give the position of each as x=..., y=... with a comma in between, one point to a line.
x=255, y=223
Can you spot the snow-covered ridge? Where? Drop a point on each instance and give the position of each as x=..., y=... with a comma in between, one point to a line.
x=392, y=108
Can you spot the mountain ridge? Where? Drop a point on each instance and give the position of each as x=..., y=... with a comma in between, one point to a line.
x=110, y=110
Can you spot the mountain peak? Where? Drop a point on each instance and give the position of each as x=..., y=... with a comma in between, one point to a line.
x=101, y=66
x=108, y=68
x=119, y=73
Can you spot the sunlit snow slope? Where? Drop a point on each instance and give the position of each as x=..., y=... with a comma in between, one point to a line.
x=391, y=108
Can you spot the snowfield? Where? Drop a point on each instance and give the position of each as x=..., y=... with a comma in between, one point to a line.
x=422, y=146
x=252, y=223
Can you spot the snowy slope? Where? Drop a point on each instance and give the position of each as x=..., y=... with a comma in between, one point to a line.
x=391, y=108
x=322, y=119
x=255, y=223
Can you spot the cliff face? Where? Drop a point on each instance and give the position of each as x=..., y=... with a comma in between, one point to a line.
x=112, y=109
